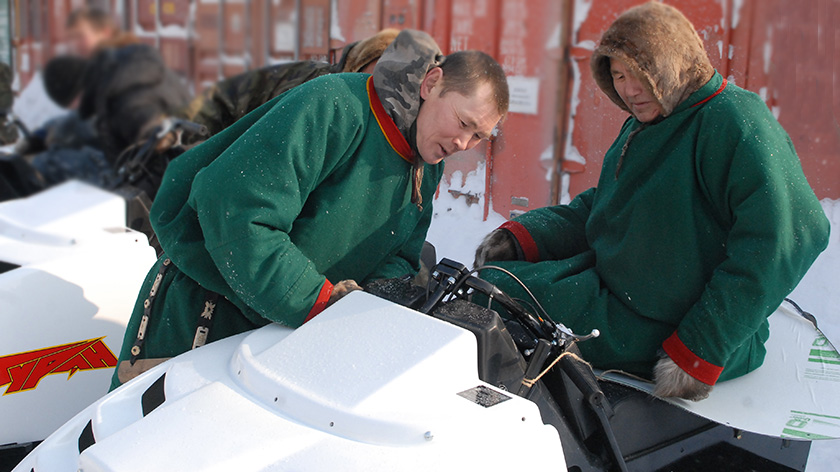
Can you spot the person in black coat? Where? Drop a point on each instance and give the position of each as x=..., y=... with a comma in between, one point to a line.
x=124, y=90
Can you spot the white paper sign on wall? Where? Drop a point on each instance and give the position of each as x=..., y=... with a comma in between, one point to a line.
x=524, y=94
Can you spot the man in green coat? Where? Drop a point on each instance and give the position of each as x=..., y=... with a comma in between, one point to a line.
x=276, y=217
x=701, y=223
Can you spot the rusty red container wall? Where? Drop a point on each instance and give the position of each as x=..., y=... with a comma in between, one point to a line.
x=172, y=12
x=519, y=35
x=401, y=14
x=207, y=69
x=358, y=19
x=145, y=10
x=523, y=157
x=796, y=82
x=283, y=31
x=314, y=31
x=771, y=47
x=259, y=22
x=467, y=31
x=804, y=84
x=176, y=53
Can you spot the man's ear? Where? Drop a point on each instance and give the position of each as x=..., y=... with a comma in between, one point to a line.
x=433, y=78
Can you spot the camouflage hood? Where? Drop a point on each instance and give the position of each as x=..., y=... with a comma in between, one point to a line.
x=399, y=73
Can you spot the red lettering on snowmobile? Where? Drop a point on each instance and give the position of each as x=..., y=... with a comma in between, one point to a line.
x=24, y=370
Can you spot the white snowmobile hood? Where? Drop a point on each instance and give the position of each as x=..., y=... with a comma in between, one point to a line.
x=366, y=385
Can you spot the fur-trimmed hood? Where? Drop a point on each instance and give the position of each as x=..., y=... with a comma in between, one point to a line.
x=660, y=47
x=361, y=53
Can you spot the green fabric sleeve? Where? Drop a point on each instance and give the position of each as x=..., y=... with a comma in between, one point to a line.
x=406, y=260
x=559, y=231
x=777, y=229
x=248, y=199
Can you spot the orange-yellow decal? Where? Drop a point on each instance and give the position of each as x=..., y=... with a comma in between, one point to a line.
x=24, y=370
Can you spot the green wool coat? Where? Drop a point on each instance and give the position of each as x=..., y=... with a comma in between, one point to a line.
x=688, y=243
x=311, y=188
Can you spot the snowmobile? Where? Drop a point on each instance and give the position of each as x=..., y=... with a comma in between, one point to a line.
x=400, y=377
x=69, y=272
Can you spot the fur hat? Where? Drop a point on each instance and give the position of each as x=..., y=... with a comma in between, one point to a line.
x=64, y=78
x=367, y=50
x=660, y=47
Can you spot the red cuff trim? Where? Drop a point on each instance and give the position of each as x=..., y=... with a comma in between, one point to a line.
x=688, y=361
x=387, y=125
x=526, y=242
x=321, y=302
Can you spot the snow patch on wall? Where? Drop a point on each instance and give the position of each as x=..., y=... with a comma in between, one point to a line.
x=565, y=183
x=582, y=8
x=588, y=44
x=736, y=12
x=173, y=31
x=818, y=292
x=335, y=27
x=547, y=161
x=554, y=38
x=571, y=152
x=768, y=49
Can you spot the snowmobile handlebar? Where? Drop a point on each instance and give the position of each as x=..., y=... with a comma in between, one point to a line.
x=454, y=279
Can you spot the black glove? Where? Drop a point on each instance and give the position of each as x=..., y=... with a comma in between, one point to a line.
x=672, y=381
x=500, y=245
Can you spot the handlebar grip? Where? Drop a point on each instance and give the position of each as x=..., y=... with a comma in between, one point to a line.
x=192, y=128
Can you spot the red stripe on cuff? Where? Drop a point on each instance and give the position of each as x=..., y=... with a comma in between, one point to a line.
x=321, y=302
x=688, y=361
x=526, y=242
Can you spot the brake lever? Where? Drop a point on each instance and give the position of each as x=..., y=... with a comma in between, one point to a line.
x=566, y=335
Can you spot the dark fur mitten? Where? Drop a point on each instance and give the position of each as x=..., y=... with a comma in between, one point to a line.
x=672, y=381
x=499, y=245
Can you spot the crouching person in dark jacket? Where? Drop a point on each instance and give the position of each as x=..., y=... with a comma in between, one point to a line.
x=126, y=90
x=701, y=223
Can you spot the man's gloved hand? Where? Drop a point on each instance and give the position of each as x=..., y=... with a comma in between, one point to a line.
x=672, y=381
x=341, y=289
x=499, y=245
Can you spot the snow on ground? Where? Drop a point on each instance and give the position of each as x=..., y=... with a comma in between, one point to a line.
x=819, y=294
x=457, y=229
